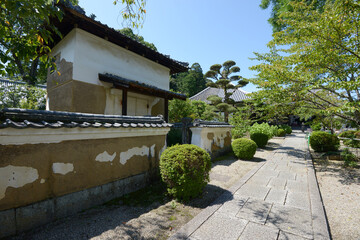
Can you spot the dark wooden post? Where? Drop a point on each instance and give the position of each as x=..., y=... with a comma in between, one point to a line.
x=124, y=102
x=166, y=110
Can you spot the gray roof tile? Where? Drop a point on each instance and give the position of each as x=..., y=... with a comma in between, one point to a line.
x=238, y=95
x=24, y=118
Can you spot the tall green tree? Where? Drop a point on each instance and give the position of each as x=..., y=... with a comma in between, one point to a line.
x=222, y=76
x=26, y=32
x=281, y=6
x=314, y=62
x=189, y=83
x=129, y=33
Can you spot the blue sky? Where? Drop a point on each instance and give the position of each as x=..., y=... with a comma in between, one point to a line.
x=203, y=31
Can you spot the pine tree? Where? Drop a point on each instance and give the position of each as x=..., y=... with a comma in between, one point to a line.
x=224, y=76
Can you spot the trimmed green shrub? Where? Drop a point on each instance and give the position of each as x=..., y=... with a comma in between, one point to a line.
x=349, y=158
x=324, y=141
x=316, y=126
x=185, y=170
x=350, y=142
x=264, y=128
x=287, y=129
x=244, y=148
x=281, y=133
x=348, y=134
x=260, y=139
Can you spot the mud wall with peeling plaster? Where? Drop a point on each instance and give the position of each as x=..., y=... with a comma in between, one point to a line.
x=215, y=140
x=31, y=173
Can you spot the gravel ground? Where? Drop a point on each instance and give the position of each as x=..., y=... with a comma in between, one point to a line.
x=157, y=221
x=340, y=190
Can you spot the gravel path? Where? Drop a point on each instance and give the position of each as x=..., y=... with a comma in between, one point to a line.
x=340, y=190
x=157, y=221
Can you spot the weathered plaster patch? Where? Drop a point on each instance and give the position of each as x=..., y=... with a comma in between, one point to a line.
x=162, y=150
x=152, y=151
x=14, y=176
x=105, y=157
x=42, y=181
x=143, y=151
x=62, y=168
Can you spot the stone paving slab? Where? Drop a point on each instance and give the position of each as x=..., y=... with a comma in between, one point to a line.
x=298, y=200
x=296, y=186
x=293, y=220
x=259, y=232
x=231, y=228
x=276, y=196
x=279, y=199
x=277, y=183
x=255, y=211
x=232, y=207
x=253, y=191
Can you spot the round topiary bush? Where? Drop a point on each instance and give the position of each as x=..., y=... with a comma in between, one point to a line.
x=324, y=141
x=185, y=170
x=260, y=139
x=281, y=133
x=287, y=129
x=244, y=148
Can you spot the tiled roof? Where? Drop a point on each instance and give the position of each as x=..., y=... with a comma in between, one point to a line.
x=238, y=95
x=127, y=84
x=25, y=118
x=202, y=123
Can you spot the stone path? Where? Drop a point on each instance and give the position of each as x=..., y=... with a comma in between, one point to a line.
x=278, y=200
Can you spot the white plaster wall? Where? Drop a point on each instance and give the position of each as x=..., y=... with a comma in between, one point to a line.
x=94, y=55
x=66, y=47
x=199, y=137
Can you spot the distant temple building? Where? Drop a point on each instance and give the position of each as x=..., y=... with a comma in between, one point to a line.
x=238, y=94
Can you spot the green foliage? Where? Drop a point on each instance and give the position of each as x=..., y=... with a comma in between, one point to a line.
x=22, y=96
x=26, y=33
x=129, y=33
x=313, y=63
x=244, y=148
x=324, y=141
x=241, y=122
x=261, y=139
x=287, y=128
x=350, y=160
x=178, y=109
x=264, y=128
x=133, y=12
x=281, y=133
x=174, y=136
x=281, y=6
x=185, y=169
x=350, y=142
x=220, y=76
x=316, y=126
x=189, y=83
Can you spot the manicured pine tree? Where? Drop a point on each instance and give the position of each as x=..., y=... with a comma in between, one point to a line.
x=222, y=76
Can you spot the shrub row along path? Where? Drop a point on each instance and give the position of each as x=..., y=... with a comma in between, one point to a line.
x=279, y=199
